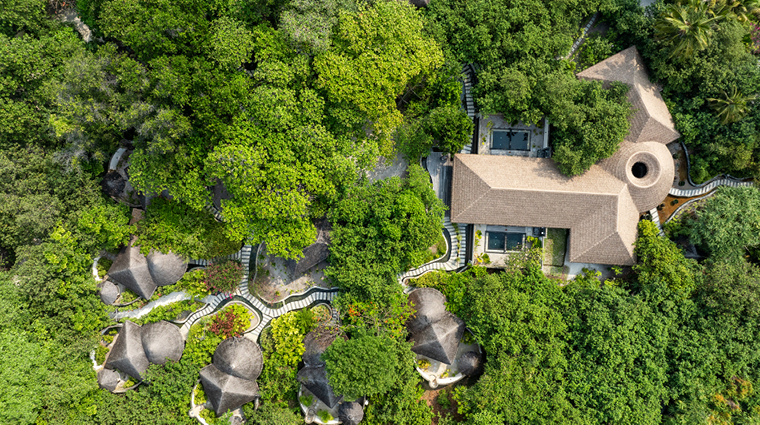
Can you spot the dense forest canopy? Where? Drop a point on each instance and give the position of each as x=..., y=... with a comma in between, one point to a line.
x=287, y=104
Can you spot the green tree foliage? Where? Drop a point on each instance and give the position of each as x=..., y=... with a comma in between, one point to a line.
x=516, y=318
x=170, y=225
x=376, y=52
x=661, y=261
x=309, y=23
x=282, y=348
x=28, y=68
x=380, y=230
x=727, y=226
x=516, y=44
x=21, y=15
x=362, y=366
x=450, y=128
x=618, y=369
x=36, y=193
x=686, y=27
x=589, y=121
x=731, y=107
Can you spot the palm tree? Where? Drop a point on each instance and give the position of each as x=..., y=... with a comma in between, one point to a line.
x=733, y=107
x=737, y=9
x=686, y=27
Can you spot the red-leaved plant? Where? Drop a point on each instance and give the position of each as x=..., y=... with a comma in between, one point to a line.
x=227, y=324
x=224, y=276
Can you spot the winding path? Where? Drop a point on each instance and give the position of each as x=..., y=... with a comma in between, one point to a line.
x=709, y=186
x=447, y=262
x=266, y=312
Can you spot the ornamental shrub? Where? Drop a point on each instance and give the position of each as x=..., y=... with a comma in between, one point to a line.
x=232, y=321
x=224, y=276
x=325, y=416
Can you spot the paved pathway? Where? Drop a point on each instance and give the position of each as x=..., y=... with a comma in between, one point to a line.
x=656, y=220
x=688, y=193
x=584, y=33
x=468, y=76
x=456, y=260
x=294, y=302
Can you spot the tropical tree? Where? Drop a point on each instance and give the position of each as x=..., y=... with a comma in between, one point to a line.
x=732, y=107
x=686, y=27
x=729, y=223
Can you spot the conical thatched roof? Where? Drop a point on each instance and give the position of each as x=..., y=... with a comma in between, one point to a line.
x=429, y=305
x=315, y=343
x=131, y=270
x=350, y=413
x=161, y=341
x=226, y=392
x=239, y=357
x=127, y=354
x=469, y=363
x=440, y=340
x=108, y=379
x=315, y=380
x=166, y=269
x=108, y=292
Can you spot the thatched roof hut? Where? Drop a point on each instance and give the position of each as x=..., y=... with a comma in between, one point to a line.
x=127, y=354
x=166, y=269
x=350, y=413
x=239, y=357
x=316, y=343
x=108, y=292
x=162, y=340
x=131, y=270
x=226, y=392
x=108, y=379
x=435, y=332
x=469, y=363
x=440, y=340
x=429, y=305
x=315, y=380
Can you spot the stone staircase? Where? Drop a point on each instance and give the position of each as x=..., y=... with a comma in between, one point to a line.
x=456, y=260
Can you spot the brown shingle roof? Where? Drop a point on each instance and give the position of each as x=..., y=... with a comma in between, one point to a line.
x=599, y=207
x=652, y=121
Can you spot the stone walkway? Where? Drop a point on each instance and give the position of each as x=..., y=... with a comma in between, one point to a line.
x=584, y=33
x=730, y=182
x=656, y=220
x=307, y=299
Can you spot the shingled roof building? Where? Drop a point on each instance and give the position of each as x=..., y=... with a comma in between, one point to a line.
x=600, y=207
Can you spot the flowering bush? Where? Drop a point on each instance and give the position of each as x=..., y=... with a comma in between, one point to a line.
x=754, y=36
x=223, y=277
x=232, y=321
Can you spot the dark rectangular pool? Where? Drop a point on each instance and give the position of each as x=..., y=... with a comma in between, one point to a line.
x=511, y=140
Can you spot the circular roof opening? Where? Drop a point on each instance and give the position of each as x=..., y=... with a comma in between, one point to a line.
x=639, y=170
